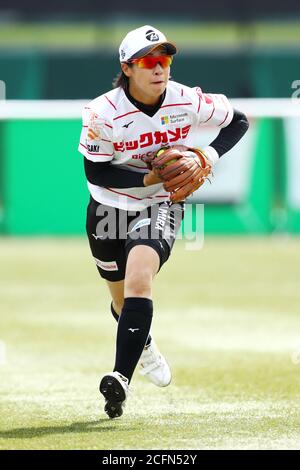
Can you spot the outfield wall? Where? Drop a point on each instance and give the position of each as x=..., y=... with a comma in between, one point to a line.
x=235, y=71
x=255, y=188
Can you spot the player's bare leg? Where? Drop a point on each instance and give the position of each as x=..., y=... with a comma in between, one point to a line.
x=117, y=294
x=153, y=365
x=142, y=265
x=133, y=329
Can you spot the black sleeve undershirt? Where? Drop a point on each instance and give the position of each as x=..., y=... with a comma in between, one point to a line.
x=106, y=175
x=230, y=135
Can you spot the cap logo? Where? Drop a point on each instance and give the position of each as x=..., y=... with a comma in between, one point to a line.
x=152, y=36
x=122, y=54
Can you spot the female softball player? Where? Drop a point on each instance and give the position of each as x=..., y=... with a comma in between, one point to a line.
x=137, y=197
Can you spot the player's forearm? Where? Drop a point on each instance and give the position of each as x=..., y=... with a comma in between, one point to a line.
x=106, y=175
x=229, y=136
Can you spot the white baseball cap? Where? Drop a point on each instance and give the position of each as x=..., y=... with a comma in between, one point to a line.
x=139, y=42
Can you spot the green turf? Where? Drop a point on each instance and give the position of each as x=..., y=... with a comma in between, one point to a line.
x=227, y=317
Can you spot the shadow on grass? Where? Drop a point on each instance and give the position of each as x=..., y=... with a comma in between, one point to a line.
x=101, y=425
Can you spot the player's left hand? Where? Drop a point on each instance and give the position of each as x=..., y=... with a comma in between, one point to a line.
x=198, y=168
x=182, y=169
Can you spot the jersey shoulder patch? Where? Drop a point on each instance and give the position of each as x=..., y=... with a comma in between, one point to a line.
x=106, y=105
x=187, y=95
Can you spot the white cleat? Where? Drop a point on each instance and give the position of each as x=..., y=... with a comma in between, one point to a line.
x=154, y=366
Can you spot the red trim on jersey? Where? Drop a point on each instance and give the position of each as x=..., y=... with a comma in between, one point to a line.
x=224, y=119
x=176, y=104
x=123, y=115
x=97, y=154
x=124, y=194
x=110, y=102
x=211, y=114
x=105, y=125
x=100, y=154
x=226, y=113
x=199, y=105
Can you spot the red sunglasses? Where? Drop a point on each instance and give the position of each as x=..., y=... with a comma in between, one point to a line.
x=150, y=61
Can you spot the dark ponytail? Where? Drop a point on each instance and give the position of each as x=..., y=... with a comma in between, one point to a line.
x=121, y=80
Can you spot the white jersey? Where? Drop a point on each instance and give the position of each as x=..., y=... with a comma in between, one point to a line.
x=115, y=130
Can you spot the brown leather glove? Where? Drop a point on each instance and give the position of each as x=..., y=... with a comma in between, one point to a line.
x=183, y=170
x=164, y=156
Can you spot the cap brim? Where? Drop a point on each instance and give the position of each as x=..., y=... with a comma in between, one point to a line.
x=170, y=49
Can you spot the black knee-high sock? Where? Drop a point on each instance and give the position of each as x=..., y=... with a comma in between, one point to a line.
x=116, y=317
x=133, y=329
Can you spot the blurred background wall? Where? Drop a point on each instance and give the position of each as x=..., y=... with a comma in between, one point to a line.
x=68, y=50
x=63, y=50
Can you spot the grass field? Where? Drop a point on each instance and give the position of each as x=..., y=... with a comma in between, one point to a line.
x=227, y=318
